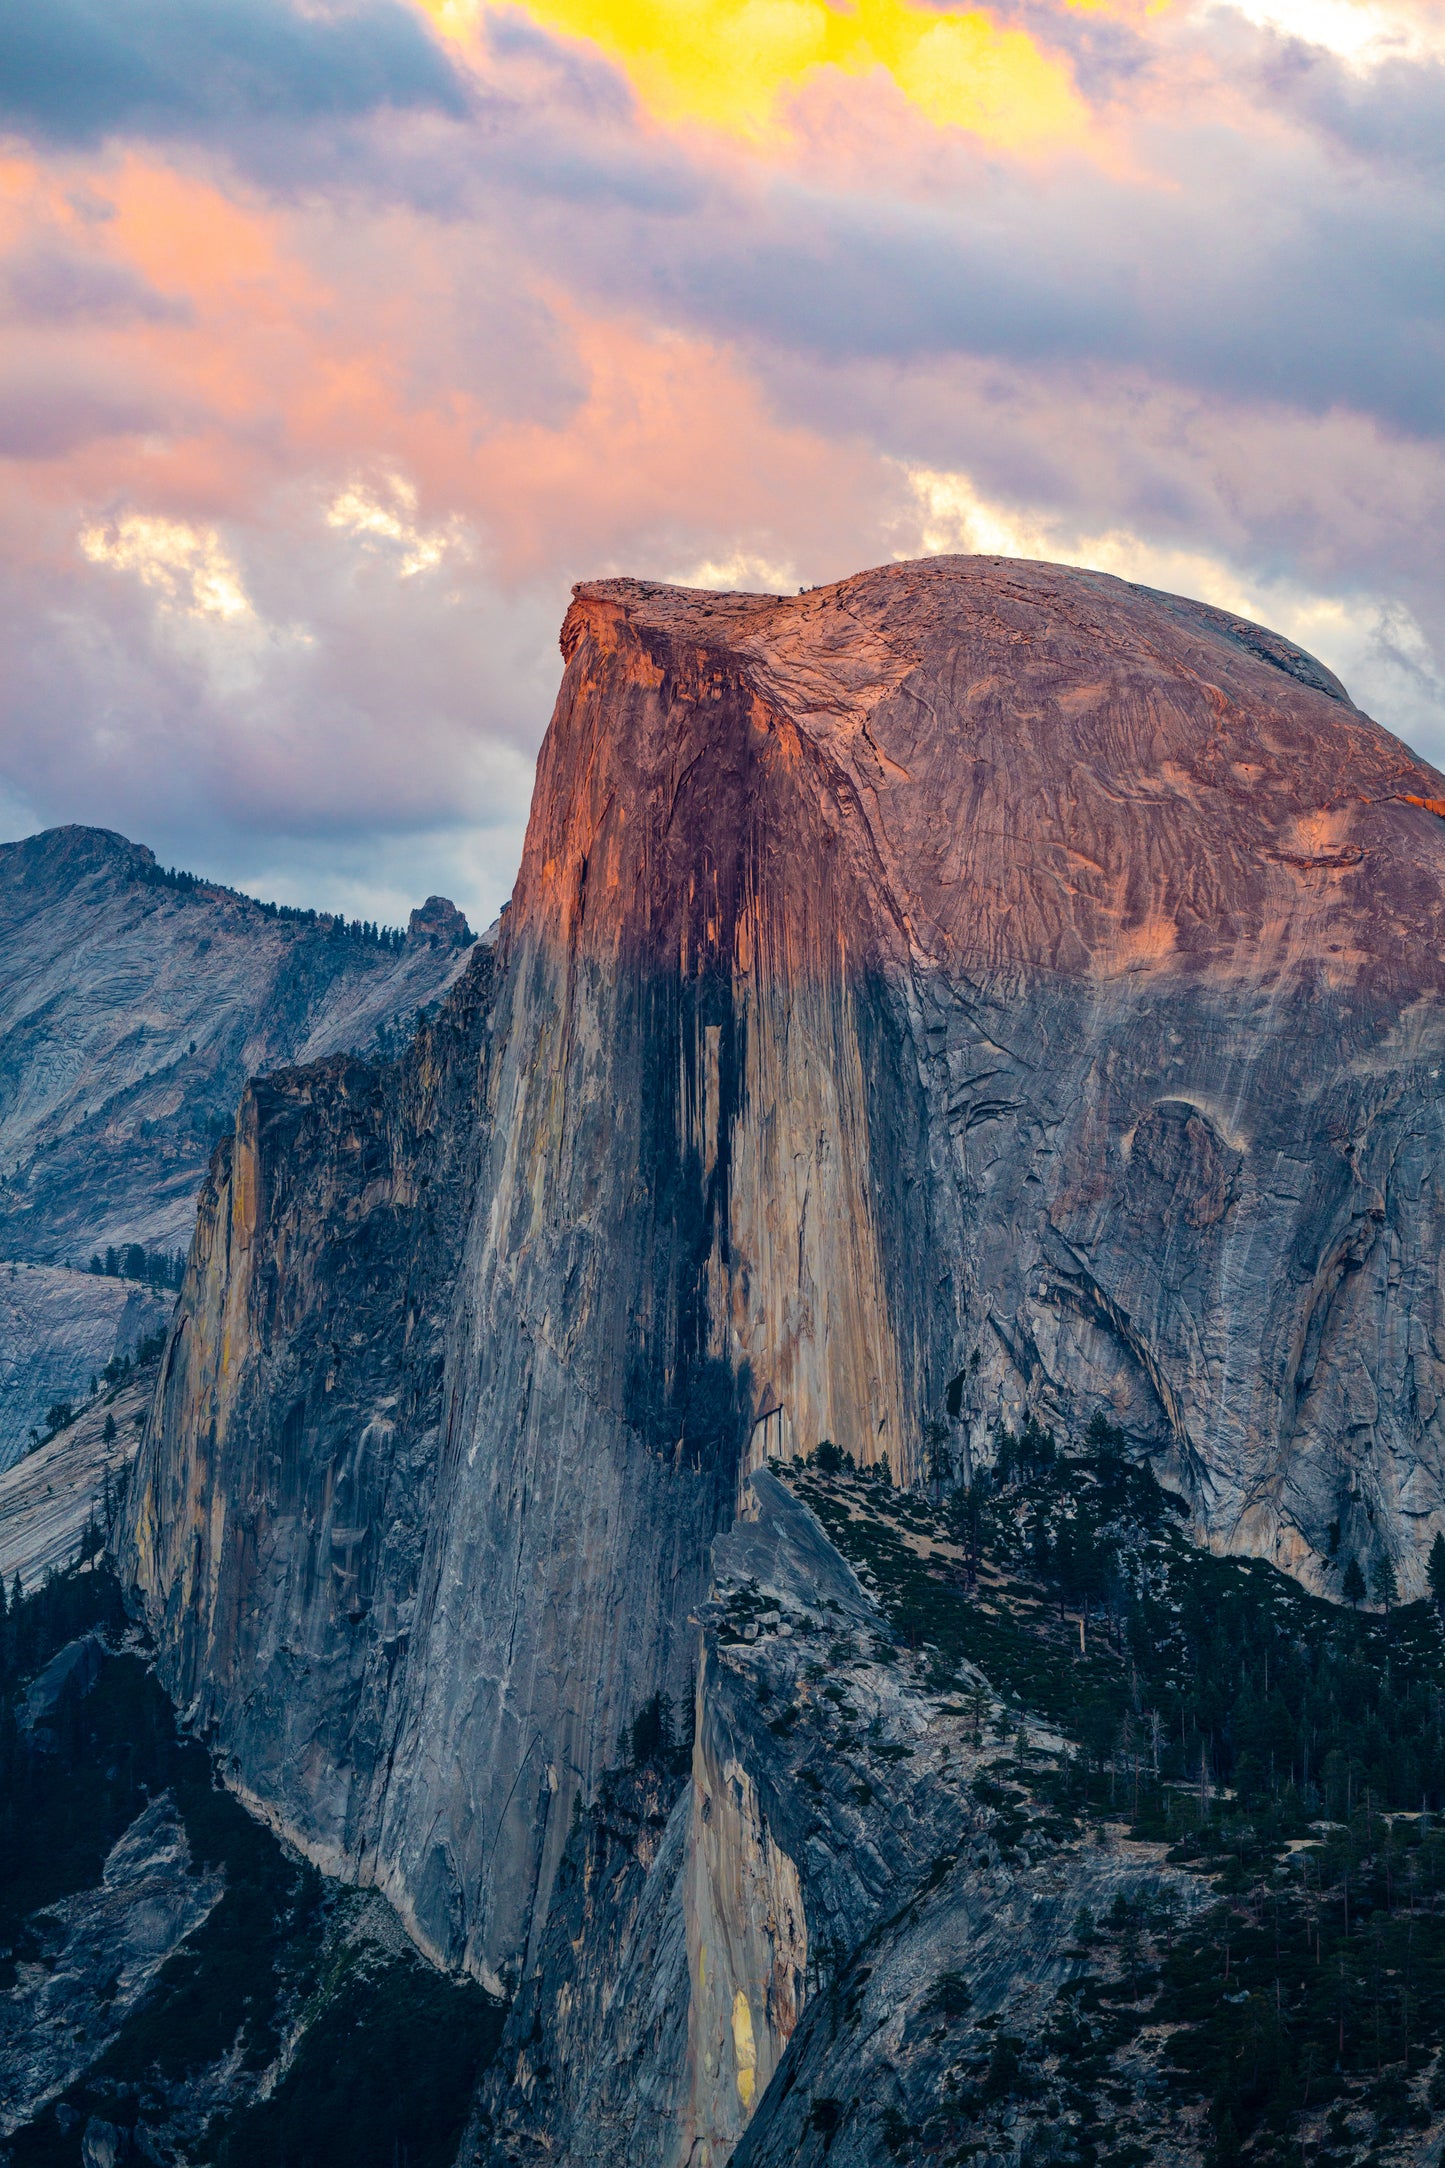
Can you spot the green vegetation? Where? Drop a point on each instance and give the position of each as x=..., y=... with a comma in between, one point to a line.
x=363, y=931
x=1069, y=1582
x=1288, y=1751
x=133, y=1261
x=121, y=1367
x=384, y=2072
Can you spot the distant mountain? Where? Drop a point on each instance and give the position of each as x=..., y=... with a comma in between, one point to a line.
x=134, y=1005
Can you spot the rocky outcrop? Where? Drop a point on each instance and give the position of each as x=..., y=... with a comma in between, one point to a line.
x=58, y=1331
x=1074, y=965
x=103, y=1949
x=802, y=1818
x=70, y=1487
x=134, y=1006
x=782, y=1937
x=973, y=990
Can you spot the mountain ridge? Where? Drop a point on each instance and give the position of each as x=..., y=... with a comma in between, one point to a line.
x=134, y=1004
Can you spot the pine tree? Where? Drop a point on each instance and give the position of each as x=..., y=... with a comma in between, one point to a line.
x=1436, y=1572
x=1387, y=1588
x=1354, y=1585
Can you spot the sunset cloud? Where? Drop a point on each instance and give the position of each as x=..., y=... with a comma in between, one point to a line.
x=76, y=71
x=385, y=514
x=733, y=63
x=339, y=341
x=186, y=566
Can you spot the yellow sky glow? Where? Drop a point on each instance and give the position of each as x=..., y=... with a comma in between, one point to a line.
x=730, y=63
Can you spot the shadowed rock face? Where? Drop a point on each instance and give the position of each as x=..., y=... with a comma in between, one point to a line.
x=132, y=1011
x=976, y=988
x=282, y=1496
x=133, y=1007
x=107, y=1945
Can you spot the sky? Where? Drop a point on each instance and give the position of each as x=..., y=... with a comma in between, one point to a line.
x=340, y=337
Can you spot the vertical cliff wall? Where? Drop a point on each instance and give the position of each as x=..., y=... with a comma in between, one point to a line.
x=974, y=989
x=280, y=1504
x=612, y=1357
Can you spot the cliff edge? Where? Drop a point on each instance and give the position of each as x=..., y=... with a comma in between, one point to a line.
x=978, y=989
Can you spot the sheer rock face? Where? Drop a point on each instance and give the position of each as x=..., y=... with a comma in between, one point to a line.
x=1076, y=957
x=279, y=1508
x=977, y=988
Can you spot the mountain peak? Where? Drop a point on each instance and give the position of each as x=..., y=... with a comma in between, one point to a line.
x=1017, y=762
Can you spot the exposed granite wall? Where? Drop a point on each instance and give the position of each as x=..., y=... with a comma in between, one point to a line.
x=58, y=1330
x=974, y=990
x=281, y=1501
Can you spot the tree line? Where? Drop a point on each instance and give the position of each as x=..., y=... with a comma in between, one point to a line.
x=367, y=932
x=1290, y=1749
x=133, y=1261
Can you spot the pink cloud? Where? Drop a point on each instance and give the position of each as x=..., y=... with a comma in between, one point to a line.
x=551, y=338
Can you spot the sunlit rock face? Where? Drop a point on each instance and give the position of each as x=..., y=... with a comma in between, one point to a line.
x=58, y=1330
x=1074, y=956
x=974, y=989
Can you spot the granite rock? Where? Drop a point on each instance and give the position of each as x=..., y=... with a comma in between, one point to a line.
x=280, y=1555
x=71, y=1484
x=105, y=1947
x=974, y=990
x=58, y=1331
x=132, y=1012
x=133, y=1008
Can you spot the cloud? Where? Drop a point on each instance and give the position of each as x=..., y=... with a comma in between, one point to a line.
x=57, y=285
x=1391, y=115
x=1251, y=219
x=1325, y=292
x=44, y=416
x=75, y=71
x=1363, y=33
x=734, y=66
x=309, y=422
x=384, y=514
x=163, y=692
x=187, y=567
